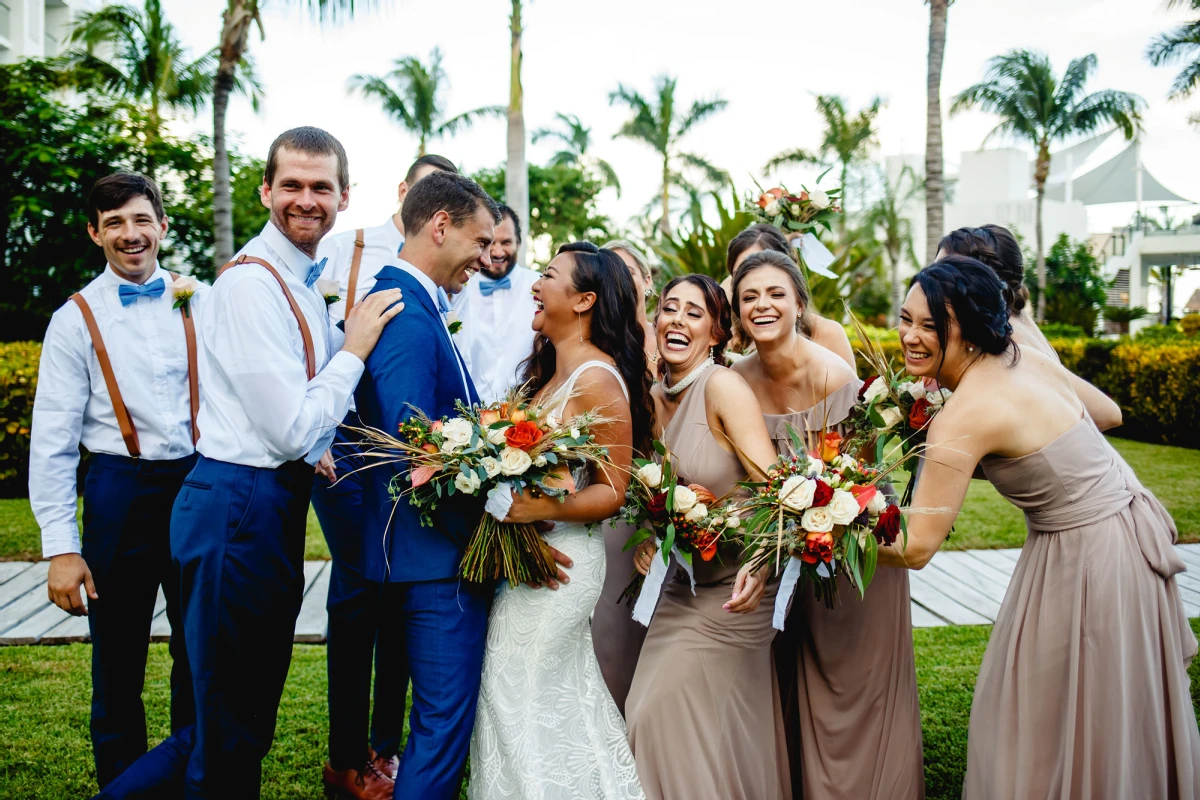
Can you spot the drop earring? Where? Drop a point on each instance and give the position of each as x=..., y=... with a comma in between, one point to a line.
x=579, y=326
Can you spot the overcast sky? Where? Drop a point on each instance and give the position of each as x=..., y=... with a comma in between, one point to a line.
x=766, y=66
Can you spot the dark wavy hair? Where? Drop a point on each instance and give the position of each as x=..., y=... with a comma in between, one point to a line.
x=976, y=295
x=718, y=308
x=771, y=239
x=771, y=258
x=997, y=248
x=615, y=330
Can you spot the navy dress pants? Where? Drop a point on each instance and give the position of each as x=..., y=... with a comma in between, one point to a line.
x=360, y=611
x=126, y=544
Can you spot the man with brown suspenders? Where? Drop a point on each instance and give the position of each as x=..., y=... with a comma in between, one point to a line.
x=118, y=376
x=361, y=762
x=277, y=379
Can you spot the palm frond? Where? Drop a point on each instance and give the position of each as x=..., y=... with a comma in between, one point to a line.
x=468, y=118
x=713, y=174
x=371, y=86
x=700, y=111
x=1108, y=106
x=794, y=156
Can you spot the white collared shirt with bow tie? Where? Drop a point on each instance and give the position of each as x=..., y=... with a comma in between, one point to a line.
x=497, y=333
x=72, y=407
x=258, y=408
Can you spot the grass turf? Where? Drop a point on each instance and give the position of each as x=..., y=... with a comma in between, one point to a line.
x=45, y=692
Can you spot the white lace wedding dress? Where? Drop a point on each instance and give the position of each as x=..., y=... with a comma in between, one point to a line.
x=547, y=728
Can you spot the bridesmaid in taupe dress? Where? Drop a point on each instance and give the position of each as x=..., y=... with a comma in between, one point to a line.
x=1083, y=691
x=704, y=715
x=847, y=674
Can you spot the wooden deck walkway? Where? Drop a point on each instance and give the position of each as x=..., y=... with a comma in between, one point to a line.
x=963, y=587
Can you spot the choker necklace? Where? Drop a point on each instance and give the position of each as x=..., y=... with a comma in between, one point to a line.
x=690, y=378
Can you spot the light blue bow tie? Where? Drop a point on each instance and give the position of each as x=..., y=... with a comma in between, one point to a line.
x=443, y=301
x=129, y=294
x=487, y=287
x=314, y=272
x=399, y=249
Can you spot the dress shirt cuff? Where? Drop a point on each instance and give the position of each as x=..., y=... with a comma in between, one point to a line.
x=344, y=361
x=59, y=539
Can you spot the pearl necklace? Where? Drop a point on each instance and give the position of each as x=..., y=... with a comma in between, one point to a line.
x=690, y=378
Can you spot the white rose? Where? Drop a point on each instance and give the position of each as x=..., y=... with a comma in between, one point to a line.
x=772, y=209
x=468, y=483
x=540, y=461
x=917, y=390
x=685, y=498
x=891, y=417
x=817, y=520
x=938, y=397
x=877, y=504
x=732, y=523
x=490, y=465
x=184, y=284
x=696, y=513
x=819, y=199
x=574, y=433
x=328, y=288
x=844, y=461
x=795, y=209
x=843, y=507
x=514, y=461
x=797, y=492
x=719, y=522
x=650, y=475
x=876, y=390
x=457, y=433
x=496, y=436
x=815, y=466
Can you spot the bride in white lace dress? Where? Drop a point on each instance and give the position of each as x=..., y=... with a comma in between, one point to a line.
x=547, y=727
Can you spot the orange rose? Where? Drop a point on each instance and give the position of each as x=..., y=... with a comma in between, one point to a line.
x=763, y=200
x=488, y=417
x=703, y=495
x=817, y=547
x=523, y=435
x=519, y=416
x=830, y=447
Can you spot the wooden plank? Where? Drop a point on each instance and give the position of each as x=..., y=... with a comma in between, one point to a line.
x=924, y=618
x=32, y=628
x=32, y=578
x=70, y=630
x=926, y=594
x=160, y=627
x=964, y=595
x=1191, y=549
x=962, y=560
x=313, y=620
x=1190, y=557
x=971, y=581
x=996, y=560
x=21, y=609
x=11, y=569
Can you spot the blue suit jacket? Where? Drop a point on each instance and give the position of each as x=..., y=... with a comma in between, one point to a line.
x=414, y=363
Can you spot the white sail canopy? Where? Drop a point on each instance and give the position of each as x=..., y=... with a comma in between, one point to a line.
x=1115, y=181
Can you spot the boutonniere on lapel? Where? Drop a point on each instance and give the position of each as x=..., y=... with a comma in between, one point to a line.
x=453, y=323
x=329, y=290
x=182, y=288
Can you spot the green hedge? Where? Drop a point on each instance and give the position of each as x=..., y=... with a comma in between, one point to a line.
x=1156, y=383
x=18, y=381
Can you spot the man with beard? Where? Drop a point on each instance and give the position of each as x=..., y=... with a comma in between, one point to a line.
x=276, y=376
x=496, y=313
x=141, y=434
x=359, y=607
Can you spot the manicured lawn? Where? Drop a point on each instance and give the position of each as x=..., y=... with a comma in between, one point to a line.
x=44, y=694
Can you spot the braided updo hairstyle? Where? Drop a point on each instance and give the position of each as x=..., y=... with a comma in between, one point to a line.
x=976, y=295
x=997, y=248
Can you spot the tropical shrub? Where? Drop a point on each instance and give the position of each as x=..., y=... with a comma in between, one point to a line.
x=18, y=382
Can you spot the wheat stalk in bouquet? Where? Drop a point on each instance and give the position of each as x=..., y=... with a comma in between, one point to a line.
x=513, y=445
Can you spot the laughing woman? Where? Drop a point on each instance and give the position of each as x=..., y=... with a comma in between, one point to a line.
x=847, y=674
x=703, y=712
x=1083, y=691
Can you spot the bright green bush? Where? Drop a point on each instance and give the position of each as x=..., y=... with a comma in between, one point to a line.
x=18, y=382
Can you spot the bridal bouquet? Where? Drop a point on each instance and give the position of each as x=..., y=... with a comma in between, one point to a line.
x=826, y=512
x=800, y=214
x=684, y=520
x=491, y=450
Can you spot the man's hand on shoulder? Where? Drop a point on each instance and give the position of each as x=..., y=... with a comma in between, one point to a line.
x=367, y=320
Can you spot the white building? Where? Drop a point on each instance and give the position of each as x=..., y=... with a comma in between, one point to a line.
x=36, y=28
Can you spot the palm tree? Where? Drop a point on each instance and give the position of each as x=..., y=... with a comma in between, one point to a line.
x=412, y=95
x=148, y=64
x=1178, y=44
x=1033, y=105
x=576, y=138
x=656, y=123
x=935, y=187
x=894, y=230
x=516, y=172
x=847, y=138
x=236, y=20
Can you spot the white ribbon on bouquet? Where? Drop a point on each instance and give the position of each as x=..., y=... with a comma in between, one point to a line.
x=647, y=600
x=816, y=256
x=500, y=500
x=787, y=587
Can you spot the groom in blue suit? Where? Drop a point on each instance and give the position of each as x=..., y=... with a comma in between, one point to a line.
x=441, y=621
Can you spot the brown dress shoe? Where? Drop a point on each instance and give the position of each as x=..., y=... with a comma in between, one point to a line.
x=388, y=766
x=367, y=783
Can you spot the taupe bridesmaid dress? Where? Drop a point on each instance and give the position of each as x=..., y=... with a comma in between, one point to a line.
x=616, y=638
x=704, y=711
x=1083, y=691
x=847, y=674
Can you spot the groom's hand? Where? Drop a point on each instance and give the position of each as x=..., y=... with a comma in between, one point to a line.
x=367, y=320
x=559, y=557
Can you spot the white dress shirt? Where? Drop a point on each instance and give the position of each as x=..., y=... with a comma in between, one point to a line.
x=258, y=408
x=432, y=290
x=381, y=245
x=146, y=345
x=497, y=333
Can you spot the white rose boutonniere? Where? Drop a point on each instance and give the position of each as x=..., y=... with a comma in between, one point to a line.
x=329, y=290
x=453, y=323
x=182, y=289
x=514, y=461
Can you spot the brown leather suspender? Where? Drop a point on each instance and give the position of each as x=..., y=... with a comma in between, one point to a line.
x=359, y=244
x=124, y=420
x=310, y=362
